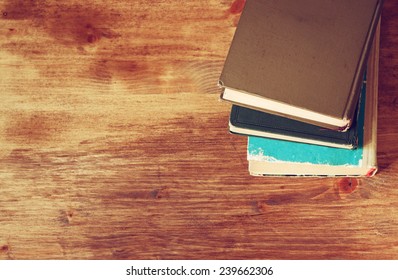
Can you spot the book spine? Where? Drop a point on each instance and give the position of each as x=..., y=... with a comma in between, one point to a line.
x=374, y=84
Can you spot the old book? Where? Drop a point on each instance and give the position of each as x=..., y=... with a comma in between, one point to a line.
x=278, y=157
x=251, y=122
x=301, y=59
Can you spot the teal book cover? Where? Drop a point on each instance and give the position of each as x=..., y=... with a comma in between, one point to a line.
x=274, y=150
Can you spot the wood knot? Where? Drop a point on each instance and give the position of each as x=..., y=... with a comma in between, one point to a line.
x=347, y=185
x=5, y=248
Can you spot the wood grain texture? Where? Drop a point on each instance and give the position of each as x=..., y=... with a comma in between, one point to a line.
x=114, y=145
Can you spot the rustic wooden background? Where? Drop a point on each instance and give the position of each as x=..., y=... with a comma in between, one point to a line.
x=114, y=145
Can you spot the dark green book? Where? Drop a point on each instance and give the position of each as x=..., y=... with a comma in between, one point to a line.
x=250, y=122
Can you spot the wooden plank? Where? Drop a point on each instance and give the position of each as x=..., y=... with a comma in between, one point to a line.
x=113, y=144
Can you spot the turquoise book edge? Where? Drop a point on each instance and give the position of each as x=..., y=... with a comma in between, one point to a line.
x=274, y=150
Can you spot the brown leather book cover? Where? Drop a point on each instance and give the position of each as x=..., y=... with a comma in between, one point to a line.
x=306, y=57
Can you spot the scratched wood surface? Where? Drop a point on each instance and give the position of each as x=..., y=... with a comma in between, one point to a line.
x=114, y=145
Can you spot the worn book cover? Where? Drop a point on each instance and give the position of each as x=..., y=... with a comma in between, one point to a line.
x=301, y=59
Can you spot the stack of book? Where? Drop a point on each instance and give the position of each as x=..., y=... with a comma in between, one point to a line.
x=302, y=77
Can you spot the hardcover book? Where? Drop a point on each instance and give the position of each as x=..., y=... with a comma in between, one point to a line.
x=268, y=156
x=301, y=59
x=251, y=122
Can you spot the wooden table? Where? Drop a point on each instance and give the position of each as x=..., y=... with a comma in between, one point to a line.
x=114, y=145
